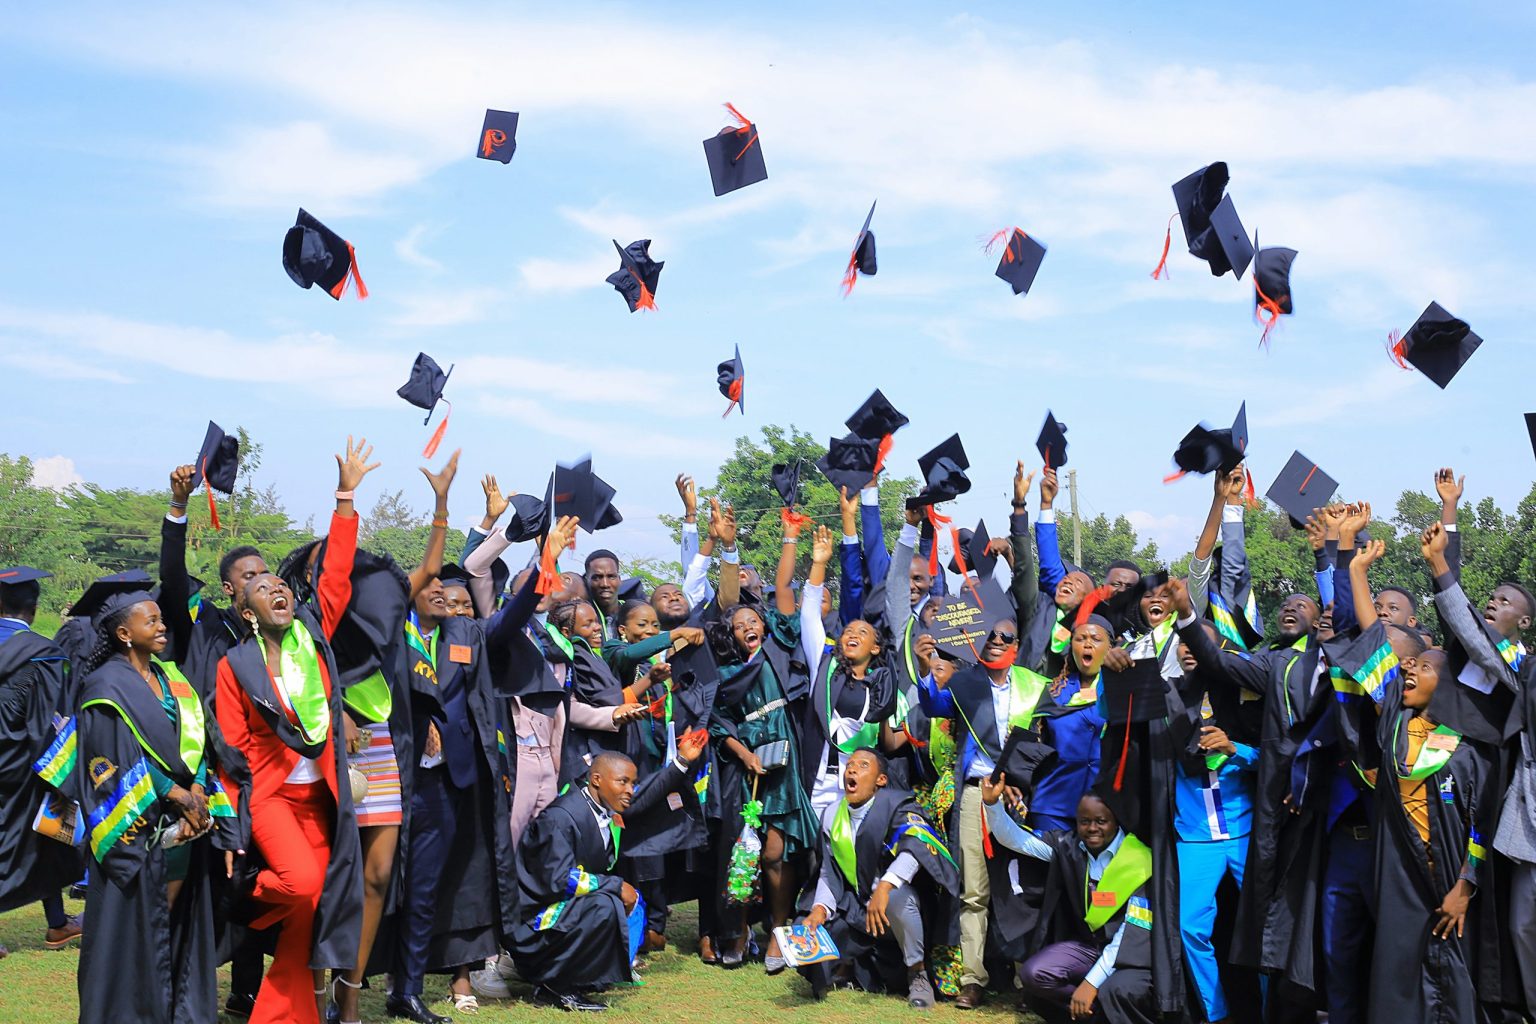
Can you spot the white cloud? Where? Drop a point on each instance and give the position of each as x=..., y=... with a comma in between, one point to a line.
x=56, y=473
x=51, y=364
x=447, y=308
x=408, y=249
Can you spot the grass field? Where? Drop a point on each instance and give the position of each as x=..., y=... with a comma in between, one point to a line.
x=38, y=987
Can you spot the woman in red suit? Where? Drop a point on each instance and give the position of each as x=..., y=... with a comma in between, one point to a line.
x=276, y=705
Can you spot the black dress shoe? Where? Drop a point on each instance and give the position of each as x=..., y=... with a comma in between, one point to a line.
x=239, y=1004
x=412, y=1008
x=543, y=995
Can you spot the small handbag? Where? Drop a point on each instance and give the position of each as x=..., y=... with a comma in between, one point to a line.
x=773, y=755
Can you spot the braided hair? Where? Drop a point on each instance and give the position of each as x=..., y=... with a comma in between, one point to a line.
x=295, y=571
x=106, y=642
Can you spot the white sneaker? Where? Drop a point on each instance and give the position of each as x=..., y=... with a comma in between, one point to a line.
x=489, y=983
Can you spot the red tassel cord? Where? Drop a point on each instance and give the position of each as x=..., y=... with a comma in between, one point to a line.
x=1161, y=270
x=352, y=275
x=1171, y=477
x=986, y=834
x=1397, y=349
x=743, y=127
x=1250, y=496
x=881, y=453
x=851, y=275
x=1306, y=480
x=646, y=299
x=1125, y=744
x=734, y=394
x=935, y=520
x=493, y=137
x=213, y=507
x=549, y=572
x=437, y=435
x=1047, y=456
x=792, y=518
x=1008, y=256
x=1093, y=600
x=1267, y=312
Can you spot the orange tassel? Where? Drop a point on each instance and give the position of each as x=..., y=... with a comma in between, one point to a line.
x=1397, y=350
x=352, y=275
x=493, y=138
x=935, y=520
x=549, y=574
x=1171, y=477
x=213, y=507
x=986, y=834
x=1306, y=480
x=1125, y=745
x=646, y=299
x=1047, y=456
x=1268, y=306
x=1007, y=233
x=851, y=275
x=437, y=435
x=743, y=126
x=734, y=394
x=1093, y=600
x=1250, y=496
x=1161, y=270
x=792, y=518
x=882, y=452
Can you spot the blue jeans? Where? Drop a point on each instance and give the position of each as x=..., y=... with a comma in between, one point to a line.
x=1349, y=923
x=1202, y=866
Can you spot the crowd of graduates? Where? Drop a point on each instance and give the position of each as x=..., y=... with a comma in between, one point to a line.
x=1000, y=778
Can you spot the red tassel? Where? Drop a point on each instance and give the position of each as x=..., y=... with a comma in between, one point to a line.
x=734, y=394
x=851, y=275
x=646, y=299
x=1005, y=661
x=352, y=275
x=1161, y=270
x=1093, y=600
x=986, y=834
x=1047, y=456
x=1007, y=233
x=881, y=453
x=1125, y=745
x=792, y=518
x=493, y=138
x=1397, y=350
x=1307, y=480
x=213, y=508
x=1171, y=477
x=1266, y=305
x=935, y=520
x=549, y=575
x=437, y=435
x=1250, y=496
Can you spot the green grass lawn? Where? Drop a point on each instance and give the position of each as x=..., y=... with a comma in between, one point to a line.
x=38, y=987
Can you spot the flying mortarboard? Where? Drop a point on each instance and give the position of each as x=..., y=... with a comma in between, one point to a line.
x=877, y=420
x=977, y=559
x=217, y=463
x=1300, y=488
x=1211, y=227
x=577, y=491
x=786, y=481
x=1052, y=442
x=1530, y=428
x=735, y=155
x=1271, y=286
x=849, y=462
x=1236, y=250
x=530, y=517
x=498, y=136
x=1437, y=343
x=638, y=275
x=1203, y=451
x=732, y=381
x=1021, y=259
x=943, y=471
x=314, y=254
x=862, y=260
x=424, y=390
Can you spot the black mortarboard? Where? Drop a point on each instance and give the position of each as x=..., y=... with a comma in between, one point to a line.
x=453, y=573
x=1530, y=428
x=1138, y=694
x=15, y=574
x=1232, y=237
x=1198, y=198
x=1240, y=430
x=1438, y=344
x=876, y=419
x=96, y=595
x=1300, y=488
x=604, y=512
x=735, y=155
x=1025, y=758
x=1021, y=261
x=943, y=471
x=217, y=461
x=632, y=589
x=1272, y=277
x=862, y=260
x=974, y=544
x=498, y=136
x=1052, y=442
x=732, y=381
x=1204, y=450
x=693, y=669
x=573, y=494
x=638, y=275
x=314, y=254
x=786, y=480
x=530, y=517
x=849, y=462
x=425, y=386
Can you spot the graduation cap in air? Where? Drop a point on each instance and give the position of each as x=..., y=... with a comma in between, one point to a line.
x=1437, y=343
x=424, y=390
x=1212, y=229
x=1025, y=757
x=498, y=136
x=1203, y=451
x=530, y=517
x=1271, y=286
x=862, y=260
x=638, y=275
x=786, y=481
x=735, y=155
x=314, y=254
x=218, y=461
x=1530, y=428
x=943, y=471
x=973, y=545
x=577, y=491
x=732, y=381
x=849, y=462
x=97, y=594
x=877, y=420
x=1020, y=261
x=1300, y=488
x=1052, y=442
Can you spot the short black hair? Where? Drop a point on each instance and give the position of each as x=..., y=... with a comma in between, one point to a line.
x=586, y=567
x=1399, y=590
x=880, y=759
x=233, y=555
x=20, y=597
x=1122, y=563
x=1530, y=600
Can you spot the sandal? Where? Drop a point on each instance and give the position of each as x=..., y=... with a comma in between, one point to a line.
x=465, y=1002
x=337, y=1002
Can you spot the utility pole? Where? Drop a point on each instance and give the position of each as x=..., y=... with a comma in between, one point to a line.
x=1077, y=523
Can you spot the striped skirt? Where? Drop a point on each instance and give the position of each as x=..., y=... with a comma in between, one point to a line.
x=377, y=763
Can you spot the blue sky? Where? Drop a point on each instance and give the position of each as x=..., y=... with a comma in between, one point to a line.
x=153, y=158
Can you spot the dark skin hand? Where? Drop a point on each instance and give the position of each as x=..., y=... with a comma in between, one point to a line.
x=1452, y=912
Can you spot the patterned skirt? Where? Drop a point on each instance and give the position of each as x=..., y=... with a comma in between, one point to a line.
x=377, y=763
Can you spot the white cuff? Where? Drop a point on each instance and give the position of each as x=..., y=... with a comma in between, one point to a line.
x=733, y=557
x=181, y=519
x=850, y=540
x=1181, y=623
x=476, y=529
x=1047, y=515
x=870, y=496
x=690, y=527
x=1231, y=513
x=894, y=880
x=908, y=536
x=1449, y=527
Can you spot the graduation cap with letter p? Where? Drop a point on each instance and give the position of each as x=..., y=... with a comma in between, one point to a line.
x=424, y=389
x=732, y=380
x=1020, y=261
x=638, y=275
x=218, y=462
x=862, y=260
x=1437, y=343
x=314, y=254
x=735, y=155
x=498, y=136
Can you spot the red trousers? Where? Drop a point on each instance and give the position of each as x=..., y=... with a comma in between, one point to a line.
x=292, y=829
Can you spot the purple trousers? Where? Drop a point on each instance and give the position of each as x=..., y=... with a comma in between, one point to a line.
x=1053, y=974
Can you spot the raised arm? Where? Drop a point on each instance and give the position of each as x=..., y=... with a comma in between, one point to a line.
x=432, y=560
x=335, y=584
x=478, y=563
x=495, y=505
x=1360, y=585
x=1016, y=550
x=784, y=574
x=174, y=590
x=898, y=586
x=730, y=558
x=514, y=616
x=689, y=543
x=850, y=584
x=1450, y=489
x=877, y=561
x=1236, y=582
x=1052, y=571
x=1456, y=613
x=1356, y=518
x=813, y=635
x=1247, y=671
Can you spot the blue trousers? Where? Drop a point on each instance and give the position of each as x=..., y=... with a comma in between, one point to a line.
x=433, y=804
x=1349, y=924
x=1202, y=866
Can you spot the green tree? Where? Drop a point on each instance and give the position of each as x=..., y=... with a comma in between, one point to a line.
x=744, y=481
x=393, y=528
x=1105, y=541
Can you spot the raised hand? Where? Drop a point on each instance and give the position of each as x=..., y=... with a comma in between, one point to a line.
x=683, y=636
x=495, y=504
x=1048, y=488
x=1176, y=592
x=562, y=535
x=1230, y=484
x=849, y=510
x=690, y=496
x=716, y=516
x=351, y=469
x=822, y=546
x=691, y=745
x=443, y=478
x=1371, y=553
x=181, y=485
x=727, y=527
x=1433, y=541
x=1449, y=487
x=1021, y=482
x=1317, y=530
x=1002, y=548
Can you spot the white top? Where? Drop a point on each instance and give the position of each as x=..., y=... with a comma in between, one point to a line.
x=308, y=768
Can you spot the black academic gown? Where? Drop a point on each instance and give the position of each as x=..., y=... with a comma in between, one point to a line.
x=570, y=930
x=339, y=918
x=1414, y=975
x=140, y=960
x=592, y=682
x=1065, y=903
x=828, y=688
x=32, y=675
x=876, y=962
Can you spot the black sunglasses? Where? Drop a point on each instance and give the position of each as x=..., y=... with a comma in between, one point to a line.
x=998, y=634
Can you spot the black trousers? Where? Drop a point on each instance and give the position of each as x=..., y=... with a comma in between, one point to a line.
x=434, y=803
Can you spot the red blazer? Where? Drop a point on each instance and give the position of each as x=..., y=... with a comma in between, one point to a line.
x=270, y=759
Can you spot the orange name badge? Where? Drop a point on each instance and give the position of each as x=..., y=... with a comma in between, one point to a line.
x=180, y=689
x=1440, y=741
x=458, y=654
x=1103, y=899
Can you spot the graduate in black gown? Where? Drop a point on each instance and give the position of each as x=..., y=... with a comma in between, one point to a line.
x=577, y=925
